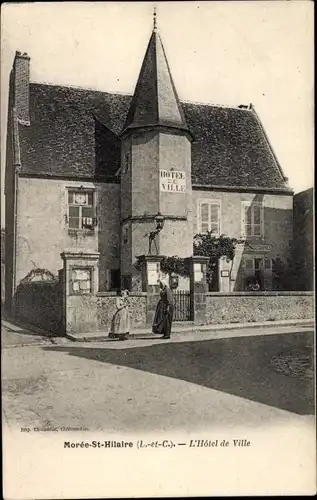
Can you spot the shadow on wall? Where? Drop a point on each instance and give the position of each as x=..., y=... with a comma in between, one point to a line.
x=260, y=268
x=39, y=300
x=107, y=164
x=303, y=247
x=107, y=153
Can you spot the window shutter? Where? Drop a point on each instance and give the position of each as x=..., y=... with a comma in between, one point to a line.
x=204, y=217
x=214, y=213
x=214, y=217
x=74, y=217
x=262, y=219
x=208, y=216
x=243, y=220
x=257, y=230
x=257, y=214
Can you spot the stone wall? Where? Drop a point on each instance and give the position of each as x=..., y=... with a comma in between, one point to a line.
x=89, y=313
x=106, y=307
x=244, y=307
x=40, y=304
x=81, y=314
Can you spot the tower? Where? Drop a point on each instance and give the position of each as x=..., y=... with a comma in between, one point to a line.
x=155, y=164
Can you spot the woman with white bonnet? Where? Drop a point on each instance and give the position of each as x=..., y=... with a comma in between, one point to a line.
x=120, y=324
x=163, y=317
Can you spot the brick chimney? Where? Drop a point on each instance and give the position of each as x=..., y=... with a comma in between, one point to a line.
x=20, y=79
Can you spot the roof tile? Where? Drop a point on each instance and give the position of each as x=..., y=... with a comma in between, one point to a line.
x=74, y=132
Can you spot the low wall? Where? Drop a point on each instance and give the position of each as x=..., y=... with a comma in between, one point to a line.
x=106, y=307
x=81, y=314
x=40, y=304
x=89, y=313
x=247, y=307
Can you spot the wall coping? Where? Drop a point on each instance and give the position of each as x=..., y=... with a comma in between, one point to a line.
x=114, y=294
x=260, y=294
x=78, y=254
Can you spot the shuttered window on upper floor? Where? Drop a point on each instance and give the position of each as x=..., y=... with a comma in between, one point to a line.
x=208, y=217
x=252, y=220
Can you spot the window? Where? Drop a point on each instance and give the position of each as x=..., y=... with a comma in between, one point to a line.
x=254, y=264
x=209, y=217
x=252, y=219
x=81, y=209
x=268, y=265
x=115, y=279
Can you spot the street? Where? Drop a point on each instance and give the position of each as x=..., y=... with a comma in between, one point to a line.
x=149, y=384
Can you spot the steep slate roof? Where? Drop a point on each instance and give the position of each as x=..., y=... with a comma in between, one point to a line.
x=155, y=100
x=74, y=133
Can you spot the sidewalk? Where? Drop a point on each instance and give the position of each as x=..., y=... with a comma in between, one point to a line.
x=188, y=329
x=16, y=334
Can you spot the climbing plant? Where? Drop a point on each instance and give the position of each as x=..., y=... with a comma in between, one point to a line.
x=214, y=247
x=175, y=265
x=206, y=244
x=170, y=265
x=39, y=275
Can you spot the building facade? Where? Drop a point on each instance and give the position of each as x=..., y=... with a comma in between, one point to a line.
x=303, y=250
x=90, y=170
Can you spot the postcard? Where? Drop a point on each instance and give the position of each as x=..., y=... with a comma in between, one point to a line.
x=157, y=249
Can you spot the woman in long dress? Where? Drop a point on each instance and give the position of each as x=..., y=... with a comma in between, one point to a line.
x=163, y=318
x=120, y=323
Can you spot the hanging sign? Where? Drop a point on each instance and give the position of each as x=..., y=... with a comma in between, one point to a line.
x=172, y=181
x=260, y=248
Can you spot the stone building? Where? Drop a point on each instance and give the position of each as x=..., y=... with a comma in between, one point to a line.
x=303, y=257
x=89, y=170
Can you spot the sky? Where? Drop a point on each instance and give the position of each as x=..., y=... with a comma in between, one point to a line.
x=227, y=53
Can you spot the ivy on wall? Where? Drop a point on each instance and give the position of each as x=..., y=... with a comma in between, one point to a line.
x=215, y=246
x=206, y=244
x=175, y=265
x=39, y=275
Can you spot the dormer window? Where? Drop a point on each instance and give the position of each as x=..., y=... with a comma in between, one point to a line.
x=81, y=209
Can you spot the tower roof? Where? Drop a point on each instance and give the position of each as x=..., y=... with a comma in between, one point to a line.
x=155, y=101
